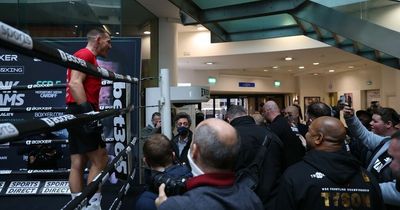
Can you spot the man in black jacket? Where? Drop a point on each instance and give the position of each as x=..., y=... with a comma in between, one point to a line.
x=293, y=148
x=394, y=151
x=181, y=142
x=328, y=177
x=252, y=137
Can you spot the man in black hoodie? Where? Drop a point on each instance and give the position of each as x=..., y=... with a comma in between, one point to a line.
x=252, y=137
x=328, y=177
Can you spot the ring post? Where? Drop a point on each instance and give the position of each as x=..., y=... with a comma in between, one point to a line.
x=128, y=127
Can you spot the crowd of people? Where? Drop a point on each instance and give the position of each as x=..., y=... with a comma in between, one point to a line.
x=318, y=163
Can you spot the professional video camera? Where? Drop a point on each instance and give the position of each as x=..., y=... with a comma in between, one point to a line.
x=173, y=185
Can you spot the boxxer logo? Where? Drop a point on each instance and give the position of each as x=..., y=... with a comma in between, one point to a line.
x=8, y=57
x=10, y=98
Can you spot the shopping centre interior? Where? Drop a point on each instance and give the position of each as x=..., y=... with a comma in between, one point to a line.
x=293, y=51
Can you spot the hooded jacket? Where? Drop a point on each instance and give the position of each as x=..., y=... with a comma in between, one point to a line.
x=328, y=180
x=251, y=137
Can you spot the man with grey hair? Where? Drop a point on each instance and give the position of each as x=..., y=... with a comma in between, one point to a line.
x=252, y=137
x=212, y=156
x=293, y=148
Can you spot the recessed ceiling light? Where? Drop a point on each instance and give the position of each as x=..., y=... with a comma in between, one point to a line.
x=315, y=63
x=331, y=70
x=147, y=32
x=117, y=33
x=201, y=28
x=288, y=58
x=350, y=67
x=315, y=74
x=266, y=70
x=275, y=67
x=301, y=67
x=209, y=63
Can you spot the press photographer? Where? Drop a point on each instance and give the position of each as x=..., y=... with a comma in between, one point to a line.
x=159, y=157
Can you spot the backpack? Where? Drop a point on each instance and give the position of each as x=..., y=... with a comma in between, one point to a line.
x=251, y=175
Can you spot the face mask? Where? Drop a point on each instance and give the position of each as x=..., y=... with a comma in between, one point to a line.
x=196, y=171
x=183, y=130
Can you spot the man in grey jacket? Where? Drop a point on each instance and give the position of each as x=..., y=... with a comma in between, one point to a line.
x=383, y=126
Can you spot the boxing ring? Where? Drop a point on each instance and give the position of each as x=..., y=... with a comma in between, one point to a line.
x=18, y=133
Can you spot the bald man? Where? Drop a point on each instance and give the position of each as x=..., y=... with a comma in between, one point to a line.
x=292, y=114
x=293, y=150
x=328, y=177
x=394, y=151
x=212, y=156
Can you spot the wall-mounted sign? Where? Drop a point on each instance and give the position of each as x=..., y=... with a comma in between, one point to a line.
x=247, y=84
x=277, y=83
x=212, y=80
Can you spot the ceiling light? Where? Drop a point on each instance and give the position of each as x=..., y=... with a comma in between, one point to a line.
x=117, y=33
x=266, y=70
x=209, y=63
x=275, y=67
x=331, y=70
x=350, y=67
x=183, y=84
x=201, y=28
x=316, y=63
x=288, y=58
x=289, y=70
x=147, y=32
x=315, y=74
x=301, y=67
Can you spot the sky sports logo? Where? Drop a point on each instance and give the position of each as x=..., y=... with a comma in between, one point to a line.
x=12, y=70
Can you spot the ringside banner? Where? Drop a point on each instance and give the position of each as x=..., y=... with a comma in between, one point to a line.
x=17, y=69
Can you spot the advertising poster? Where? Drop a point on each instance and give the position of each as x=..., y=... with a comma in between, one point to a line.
x=17, y=69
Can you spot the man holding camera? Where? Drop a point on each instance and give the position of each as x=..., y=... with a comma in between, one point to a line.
x=212, y=156
x=82, y=96
x=159, y=157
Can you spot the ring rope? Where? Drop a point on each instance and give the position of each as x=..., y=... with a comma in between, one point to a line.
x=44, y=109
x=92, y=187
x=123, y=191
x=14, y=131
x=104, y=83
x=33, y=87
x=21, y=42
x=35, y=171
x=149, y=78
x=33, y=109
x=49, y=141
x=28, y=142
